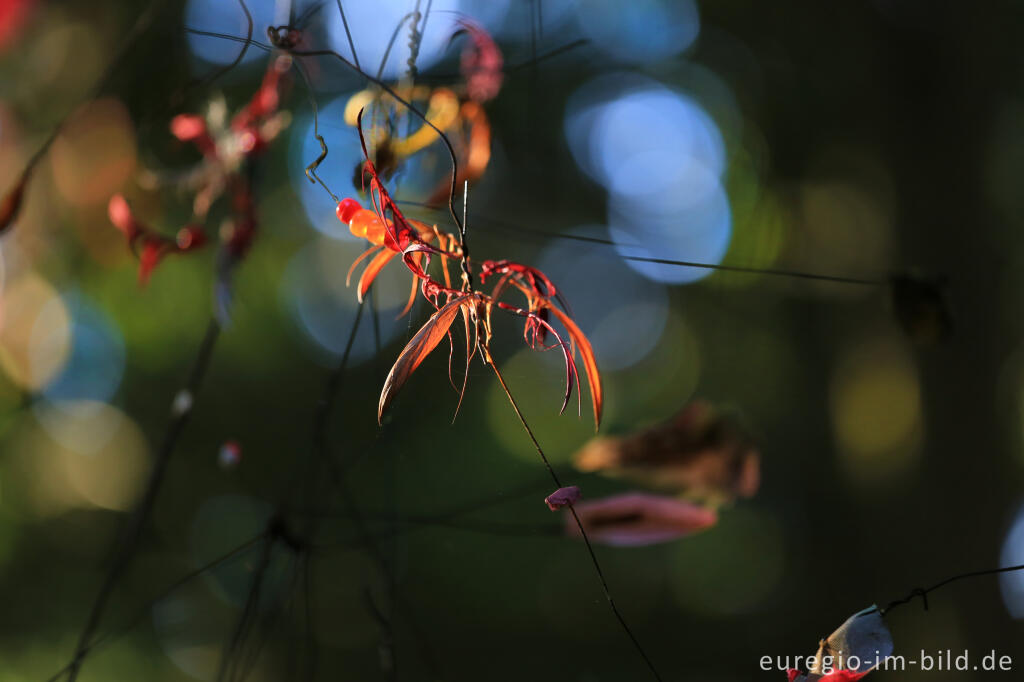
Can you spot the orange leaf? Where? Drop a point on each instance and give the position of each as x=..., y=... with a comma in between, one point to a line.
x=421, y=345
x=375, y=266
x=357, y=261
x=587, y=353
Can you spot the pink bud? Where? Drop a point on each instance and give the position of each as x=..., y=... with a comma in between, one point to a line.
x=562, y=497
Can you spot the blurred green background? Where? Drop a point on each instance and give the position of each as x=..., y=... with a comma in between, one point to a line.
x=845, y=139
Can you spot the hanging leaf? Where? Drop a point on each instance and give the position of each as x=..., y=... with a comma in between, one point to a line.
x=372, y=270
x=589, y=362
x=702, y=452
x=636, y=519
x=421, y=345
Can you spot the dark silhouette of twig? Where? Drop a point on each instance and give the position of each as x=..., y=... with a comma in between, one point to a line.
x=923, y=592
x=181, y=410
x=212, y=78
x=348, y=34
x=145, y=609
x=236, y=662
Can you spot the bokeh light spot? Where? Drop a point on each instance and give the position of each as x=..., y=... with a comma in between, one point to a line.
x=35, y=332
x=79, y=454
x=95, y=152
x=314, y=292
x=661, y=157
x=876, y=410
x=96, y=363
x=1012, y=554
x=641, y=30
x=373, y=23
x=217, y=16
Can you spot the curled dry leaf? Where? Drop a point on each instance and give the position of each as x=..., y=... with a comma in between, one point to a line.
x=562, y=497
x=856, y=648
x=701, y=452
x=636, y=519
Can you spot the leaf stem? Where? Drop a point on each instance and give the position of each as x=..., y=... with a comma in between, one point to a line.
x=579, y=524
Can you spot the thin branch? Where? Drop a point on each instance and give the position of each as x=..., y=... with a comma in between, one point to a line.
x=180, y=411
x=489, y=359
x=209, y=80
x=348, y=34
x=144, y=610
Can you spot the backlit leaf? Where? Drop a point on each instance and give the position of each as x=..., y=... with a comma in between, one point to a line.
x=421, y=345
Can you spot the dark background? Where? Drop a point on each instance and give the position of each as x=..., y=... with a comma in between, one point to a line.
x=885, y=465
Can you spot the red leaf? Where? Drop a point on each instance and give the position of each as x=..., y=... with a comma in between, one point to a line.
x=371, y=271
x=589, y=363
x=153, y=252
x=121, y=216
x=421, y=345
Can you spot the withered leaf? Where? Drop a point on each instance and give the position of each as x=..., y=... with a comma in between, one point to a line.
x=702, y=452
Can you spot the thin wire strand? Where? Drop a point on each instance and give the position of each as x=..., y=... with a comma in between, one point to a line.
x=778, y=272
x=348, y=34
x=923, y=593
x=144, y=610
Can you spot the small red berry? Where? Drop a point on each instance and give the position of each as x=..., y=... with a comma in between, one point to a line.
x=346, y=209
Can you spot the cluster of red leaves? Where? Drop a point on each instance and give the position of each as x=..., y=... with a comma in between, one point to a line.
x=226, y=153
x=385, y=226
